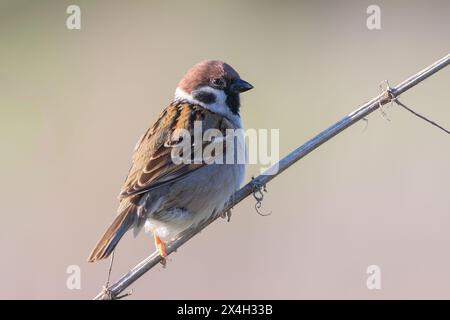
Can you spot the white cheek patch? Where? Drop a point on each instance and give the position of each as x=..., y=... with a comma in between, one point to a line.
x=218, y=106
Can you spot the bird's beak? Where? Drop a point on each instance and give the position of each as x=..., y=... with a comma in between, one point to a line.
x=240, y=85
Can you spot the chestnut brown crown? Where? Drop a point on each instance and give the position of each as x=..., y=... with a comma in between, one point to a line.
x=217, y=75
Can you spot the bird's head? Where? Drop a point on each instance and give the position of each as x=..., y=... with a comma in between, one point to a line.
x=214, y=85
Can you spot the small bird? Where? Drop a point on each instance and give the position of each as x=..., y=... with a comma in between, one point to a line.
x=168, y=198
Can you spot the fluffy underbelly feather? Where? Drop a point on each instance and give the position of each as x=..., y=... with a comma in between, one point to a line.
x=198, y=197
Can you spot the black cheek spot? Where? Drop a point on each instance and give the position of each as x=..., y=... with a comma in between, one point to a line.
x=204, y=97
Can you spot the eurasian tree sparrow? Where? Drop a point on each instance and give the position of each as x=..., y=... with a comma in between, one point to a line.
x=170, y=198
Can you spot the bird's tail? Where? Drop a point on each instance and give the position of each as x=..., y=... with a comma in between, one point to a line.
x=121, y=224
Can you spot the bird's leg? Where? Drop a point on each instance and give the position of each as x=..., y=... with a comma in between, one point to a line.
x=161, y=246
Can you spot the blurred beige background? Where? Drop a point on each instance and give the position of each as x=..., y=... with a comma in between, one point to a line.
x=73, y=104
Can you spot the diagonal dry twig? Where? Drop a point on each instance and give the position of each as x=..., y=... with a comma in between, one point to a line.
x=420, y=116
x=390, y=94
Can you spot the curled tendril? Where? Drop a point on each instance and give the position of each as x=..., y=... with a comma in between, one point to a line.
x=124, y=295
x=258, y=194
x=386, y=92
x=107, y=293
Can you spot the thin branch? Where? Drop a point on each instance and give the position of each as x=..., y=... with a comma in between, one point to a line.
x=389, y=95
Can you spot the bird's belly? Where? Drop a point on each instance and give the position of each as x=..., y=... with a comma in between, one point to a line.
x=195, y=198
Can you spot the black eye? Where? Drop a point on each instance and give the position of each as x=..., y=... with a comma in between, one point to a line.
x=218, y=83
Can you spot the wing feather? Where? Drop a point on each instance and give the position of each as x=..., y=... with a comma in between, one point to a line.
x=152, y=164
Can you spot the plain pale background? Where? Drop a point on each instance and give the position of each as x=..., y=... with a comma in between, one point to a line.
x=74, y=103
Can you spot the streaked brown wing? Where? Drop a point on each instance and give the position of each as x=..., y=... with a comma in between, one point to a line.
x=152, y=163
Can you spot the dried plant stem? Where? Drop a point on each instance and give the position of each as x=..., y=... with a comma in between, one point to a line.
x=389, y=95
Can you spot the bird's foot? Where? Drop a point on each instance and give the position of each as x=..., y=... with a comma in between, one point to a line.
x=162, y=249
x=226, y=215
